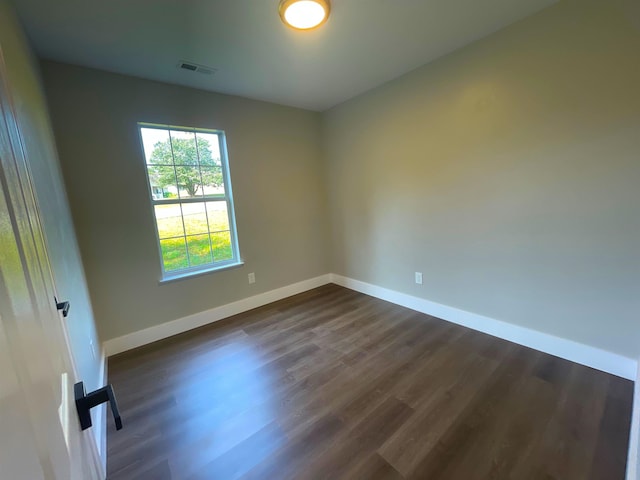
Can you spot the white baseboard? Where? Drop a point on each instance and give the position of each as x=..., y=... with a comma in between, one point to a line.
x=633, y=459
x=576, y=352
x=165, y=330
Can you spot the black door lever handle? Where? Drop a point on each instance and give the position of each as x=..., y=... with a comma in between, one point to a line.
x=85, y=402
x=64, y=306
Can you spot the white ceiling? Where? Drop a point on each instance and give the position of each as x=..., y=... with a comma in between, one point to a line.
x=364, y=44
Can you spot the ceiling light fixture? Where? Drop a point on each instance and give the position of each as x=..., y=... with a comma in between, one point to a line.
x=304, y=14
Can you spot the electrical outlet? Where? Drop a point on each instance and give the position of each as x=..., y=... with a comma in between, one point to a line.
x=252, y=278
x=419, y=278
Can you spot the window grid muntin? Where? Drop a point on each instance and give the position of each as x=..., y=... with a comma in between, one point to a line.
x=206, y=210
x=184, y=228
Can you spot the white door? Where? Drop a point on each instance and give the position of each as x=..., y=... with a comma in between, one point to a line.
x=40, y=437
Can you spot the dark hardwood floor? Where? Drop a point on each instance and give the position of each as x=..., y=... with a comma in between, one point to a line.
x=338, y=385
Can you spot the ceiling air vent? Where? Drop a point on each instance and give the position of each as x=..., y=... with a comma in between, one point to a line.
x=195, y=67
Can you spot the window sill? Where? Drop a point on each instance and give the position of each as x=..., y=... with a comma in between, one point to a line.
x=184, y=275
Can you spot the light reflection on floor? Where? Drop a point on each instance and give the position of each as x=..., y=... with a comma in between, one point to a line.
x=236, y=397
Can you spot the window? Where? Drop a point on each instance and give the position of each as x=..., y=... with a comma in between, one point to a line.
x=190, y=190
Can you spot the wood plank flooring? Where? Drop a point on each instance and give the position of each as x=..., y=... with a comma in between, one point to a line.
x=333, y=384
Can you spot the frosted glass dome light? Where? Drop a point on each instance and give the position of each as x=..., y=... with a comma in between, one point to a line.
x=304, y=14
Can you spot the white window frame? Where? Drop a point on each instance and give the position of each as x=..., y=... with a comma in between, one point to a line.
x=228, y=198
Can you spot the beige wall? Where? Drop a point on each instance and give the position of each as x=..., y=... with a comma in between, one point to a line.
x=23, y=78
x=508, y=173
x=275, y=164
